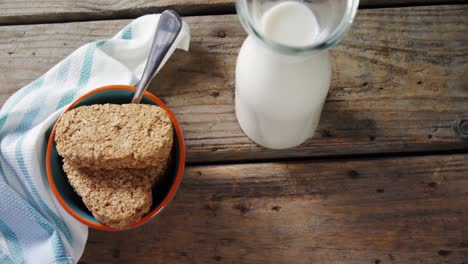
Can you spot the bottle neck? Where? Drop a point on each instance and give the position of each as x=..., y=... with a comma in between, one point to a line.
x=296, y=28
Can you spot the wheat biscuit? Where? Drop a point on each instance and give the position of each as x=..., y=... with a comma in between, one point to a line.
x=152, y=173
x=115, y=197
x=114, y=136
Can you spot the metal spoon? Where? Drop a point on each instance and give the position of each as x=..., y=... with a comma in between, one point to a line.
x=168, y=29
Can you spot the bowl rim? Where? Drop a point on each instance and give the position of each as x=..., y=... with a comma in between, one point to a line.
x=174, y=186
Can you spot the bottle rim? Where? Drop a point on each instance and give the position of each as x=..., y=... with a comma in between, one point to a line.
x=337, y=34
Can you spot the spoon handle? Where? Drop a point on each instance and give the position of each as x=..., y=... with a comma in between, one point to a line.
x=168, y=29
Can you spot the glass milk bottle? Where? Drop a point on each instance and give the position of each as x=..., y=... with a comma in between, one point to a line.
x=283, y=71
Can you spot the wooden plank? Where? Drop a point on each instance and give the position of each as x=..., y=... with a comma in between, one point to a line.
x=403, y=210
x=400, y=82
x=46, y=11
x=16, y=12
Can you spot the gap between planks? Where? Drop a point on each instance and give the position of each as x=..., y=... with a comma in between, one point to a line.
x=328, y=158
x=73, y=12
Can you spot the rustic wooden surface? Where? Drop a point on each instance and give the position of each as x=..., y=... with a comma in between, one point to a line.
x=46, y=11
x=400, y=85
x=392, y=210
x=400, y=82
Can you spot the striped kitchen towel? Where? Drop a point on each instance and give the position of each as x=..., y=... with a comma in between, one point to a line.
x=33, y=226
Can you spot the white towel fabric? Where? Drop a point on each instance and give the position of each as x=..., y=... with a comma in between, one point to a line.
x=33, y=226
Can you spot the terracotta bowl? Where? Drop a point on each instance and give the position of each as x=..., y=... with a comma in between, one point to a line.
x=163, y=191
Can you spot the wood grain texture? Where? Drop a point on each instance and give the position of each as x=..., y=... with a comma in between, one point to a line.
x=403, y=210
x=14, y=12
x=400, y=82
x=46, y=11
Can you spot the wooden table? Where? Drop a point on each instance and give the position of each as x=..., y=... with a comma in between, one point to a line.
x=384, y=180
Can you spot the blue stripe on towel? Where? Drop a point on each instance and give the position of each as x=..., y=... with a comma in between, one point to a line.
x=8, y=180
x=57, y=220
x=3, y=120
x=34, y=215
x=30, y=214
x=13, y=245
x=4, y=259
x=127, y=32
x=85, y=74
x=25, y=124
x=15, y=98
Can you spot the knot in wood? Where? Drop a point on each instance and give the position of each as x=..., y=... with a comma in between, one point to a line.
x=462, y=128
x=221, y=34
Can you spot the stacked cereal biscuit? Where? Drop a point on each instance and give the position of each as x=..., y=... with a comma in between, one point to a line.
x=113, y=154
